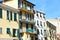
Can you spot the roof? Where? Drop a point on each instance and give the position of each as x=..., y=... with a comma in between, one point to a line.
x=50, y=25
x=40, y=12
x=31, y=3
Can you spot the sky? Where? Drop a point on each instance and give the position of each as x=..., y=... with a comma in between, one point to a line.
x=50, y=7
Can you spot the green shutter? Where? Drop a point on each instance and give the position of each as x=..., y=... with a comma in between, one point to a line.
x=18, y=34
x=0, y=13
x=8, y=30
x=10, y=15
x=15, y=17
x=7, y=14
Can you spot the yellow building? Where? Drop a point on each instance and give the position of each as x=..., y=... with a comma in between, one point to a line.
x=51, y=31
x=17, y=20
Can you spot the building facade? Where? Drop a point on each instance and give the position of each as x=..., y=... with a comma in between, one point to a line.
x=40, y=22
x=56, y=22
x=51, y=31
x=17, y=20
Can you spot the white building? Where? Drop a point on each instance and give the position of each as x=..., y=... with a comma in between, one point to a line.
x=40, y=22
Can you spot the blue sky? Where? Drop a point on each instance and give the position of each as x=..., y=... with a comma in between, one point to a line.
x=50, y=7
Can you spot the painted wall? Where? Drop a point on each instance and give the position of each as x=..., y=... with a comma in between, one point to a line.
x=40, y=19
x=4, y=24
x=48, y=29
x=12, y=3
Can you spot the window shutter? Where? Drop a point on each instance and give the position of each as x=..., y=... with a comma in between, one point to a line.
x=15, y=17
x=18, y=34
x=7, y=14
x=10, y=15
x=0, y=13
x=8, y=30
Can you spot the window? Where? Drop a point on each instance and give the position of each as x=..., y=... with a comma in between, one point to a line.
x=44, y=24
x=30, y=17
x=8, y=30
x=41, y=38
x=24, y=5
x=20, y=25
x=37, y=23
x=45, y=32
x=15, y=17
x=18, y=3
x=14, y=32
x=40, y=23
x=37, y=31
x=31, y=26
x=32, y=8
x=20, y=15
x=28, y=8
x=27, y=26
x=7, y=14
x=37, y=15
x=40, y=15
x=41, y=32
x=10, y=15
x=26, y=15
x=31, y=38
x=44, y=16
x=0, y=30
x=0, y=13
x=27, y=35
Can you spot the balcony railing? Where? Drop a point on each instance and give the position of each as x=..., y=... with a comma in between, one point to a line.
x=26, y=9
x=27, y=21
x=30, y=31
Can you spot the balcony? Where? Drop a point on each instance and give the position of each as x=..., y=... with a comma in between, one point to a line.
x=30, y=31
x=27, y=21
x=27, y=10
